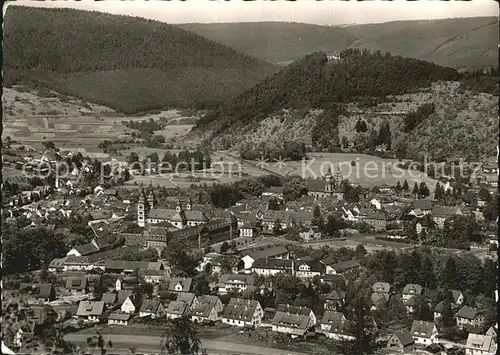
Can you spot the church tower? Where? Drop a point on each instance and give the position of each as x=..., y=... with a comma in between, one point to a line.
x=178, y=208
x=141, y=210
x=151, y=200
x=329, y=181
x=189, y=205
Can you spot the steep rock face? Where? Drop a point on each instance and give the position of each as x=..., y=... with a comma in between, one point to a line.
x=308, y=97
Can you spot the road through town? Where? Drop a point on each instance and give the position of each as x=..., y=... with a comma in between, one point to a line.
x=151, y=344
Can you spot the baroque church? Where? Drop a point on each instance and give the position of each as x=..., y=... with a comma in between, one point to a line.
x=148, y=213
x=329, y=186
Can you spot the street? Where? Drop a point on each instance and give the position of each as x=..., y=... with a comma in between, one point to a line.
x=151, y=344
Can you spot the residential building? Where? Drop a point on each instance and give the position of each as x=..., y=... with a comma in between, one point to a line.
x=268, y=267
x=39, y=292
x=411, y=290
x=119, y=318
x=77, y=285
x=239, y=282
x=241, y=312
x=289, y=323
x=441, y=213
x=180, y=284
x=478, y=344
x=424, y=333
x=307, y=269
x=377, y=220
x=344, y=267
x=424, y=206
x=469, y=316
x=382, y=287
x=188, y=298
x=177, y=309
x=85, y=249
x=109, y=298
x=129, y=305
x=152, y=308
x=303, y=311
x=334, y=300
x=329, y=318
x=401, y=341
x=270, y=253
x=340, y=330
x=90, y=310
x=209, y=308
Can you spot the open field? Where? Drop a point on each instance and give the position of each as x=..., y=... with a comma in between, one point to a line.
x=369, y=170
x=31, y=119
x=148, y=343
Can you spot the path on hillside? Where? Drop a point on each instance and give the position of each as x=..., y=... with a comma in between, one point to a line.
x=253, y=165
x=147, y=343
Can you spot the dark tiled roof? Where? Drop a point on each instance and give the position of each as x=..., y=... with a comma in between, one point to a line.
x=268, y=253
x=413, y=289
x=303, y=311
x=468, y=312
x=277, y=264
x=404, y=337
x=421, y=328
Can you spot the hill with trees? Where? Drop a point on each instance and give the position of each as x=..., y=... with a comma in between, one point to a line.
x=127, y=63
x=326, y=86
x=462, y=43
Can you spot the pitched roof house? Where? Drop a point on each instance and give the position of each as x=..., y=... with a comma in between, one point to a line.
x=241, y=312
x=469, y=316
x=235, y=282
x=424, y=333
x=401, y=341
x=209, y=308
x=178, y=284
x=329, y=318
x=90, y=310
x=176, y=309
x=478, y=344
x=270, y=253
x=77, y=285
x=39, y=292
x=151, y=308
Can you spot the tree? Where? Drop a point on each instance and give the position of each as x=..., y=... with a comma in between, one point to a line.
x=423, y=190
x=180, y=337
x=415, y=190
x=406, y=188
x=360, y=251
x=438, y=192
x=384, y=135
x=181, y=262
x=484, y=194
x=345, y=142
x=449, y=274
x=224, y=247
x=97, y=341
x=273, y=205
x=277, y=226
x=398, y=187
x=361, y=126
x=362, y=325
x=133, y=158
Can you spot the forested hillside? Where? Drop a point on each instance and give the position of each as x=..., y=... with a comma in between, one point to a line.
x=130, y=64
x=316, y=82
x=463, y=43
x=358, y=103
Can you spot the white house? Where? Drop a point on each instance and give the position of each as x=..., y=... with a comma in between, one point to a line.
x=376, y=203
x=241, y=312
x=128, y=305
x=424, y=333
x=478, y=344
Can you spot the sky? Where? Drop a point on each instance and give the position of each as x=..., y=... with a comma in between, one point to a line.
x=327, y=12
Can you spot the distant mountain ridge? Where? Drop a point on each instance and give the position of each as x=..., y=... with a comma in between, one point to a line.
x=131, y=64
x=462, y=43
